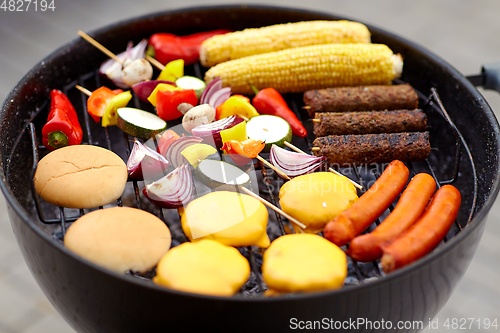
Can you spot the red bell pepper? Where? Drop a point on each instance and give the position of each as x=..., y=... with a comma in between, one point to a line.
x=62, y=127
x=168, y=47
x=168, y=101
x=166, y=140
x=242, y=152
x=96, y=104
x=269, y=101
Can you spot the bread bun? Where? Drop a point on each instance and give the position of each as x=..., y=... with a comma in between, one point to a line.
x=119, y=238
x=82, y=176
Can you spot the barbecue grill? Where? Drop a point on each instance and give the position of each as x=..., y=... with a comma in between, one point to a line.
x=93, y=299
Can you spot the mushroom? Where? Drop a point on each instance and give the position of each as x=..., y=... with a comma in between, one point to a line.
x=199, y=115
x=136, y=71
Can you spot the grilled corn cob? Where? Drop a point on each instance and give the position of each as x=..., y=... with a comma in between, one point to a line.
x=278, y=37
x=310, y=67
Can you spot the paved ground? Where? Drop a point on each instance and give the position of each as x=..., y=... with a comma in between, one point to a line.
x=465, y=33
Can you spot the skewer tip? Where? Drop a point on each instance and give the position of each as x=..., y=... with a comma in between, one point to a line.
x=99, y=46
x=83, y=90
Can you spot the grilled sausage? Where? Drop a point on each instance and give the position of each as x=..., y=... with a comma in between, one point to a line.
x=355, y=219
x=373, y=148
x=426, y=233
x=341, y=123
x=410, y=206
x=361, y=98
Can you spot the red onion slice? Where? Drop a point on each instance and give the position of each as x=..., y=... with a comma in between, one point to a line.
x=219, y=97
x=175, y=149
x=172, y=191
x=145, y=88
x=212, y=87
x=144, y=162
x=113, y=69
x=294, y=164
x=210, y=133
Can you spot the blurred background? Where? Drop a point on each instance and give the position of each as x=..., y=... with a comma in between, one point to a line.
x=464, y=33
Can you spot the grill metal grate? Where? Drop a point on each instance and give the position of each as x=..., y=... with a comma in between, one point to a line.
x=268, y=185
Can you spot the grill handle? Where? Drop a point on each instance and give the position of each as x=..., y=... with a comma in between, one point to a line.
x=489, y=77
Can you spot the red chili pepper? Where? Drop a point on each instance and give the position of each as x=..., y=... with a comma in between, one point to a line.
x=168, y=47
x=168, y=101
x=166, y=140
x=241, y=152
x=269, y=101
x=62, y=127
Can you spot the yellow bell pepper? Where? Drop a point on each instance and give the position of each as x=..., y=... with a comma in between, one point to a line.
x=172, y=71
x=196, y=153
x=236, y=105
x=110, y=117
x=237, y=133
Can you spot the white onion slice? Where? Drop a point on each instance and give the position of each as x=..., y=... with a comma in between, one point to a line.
x=113, y=69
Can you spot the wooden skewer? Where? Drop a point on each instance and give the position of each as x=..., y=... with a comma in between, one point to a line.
x=99, y=46
x=270, y=205
x=83, y=90
x=316, y=120
x=288, y=144
x=307, y=107
x=155, y=62
x=315, y=148
x=110, y=54
x=273, y=167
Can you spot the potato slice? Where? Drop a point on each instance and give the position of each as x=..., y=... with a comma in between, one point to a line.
x=316, y=198
x=303, y=263
x=205, y=267
x=228, y=217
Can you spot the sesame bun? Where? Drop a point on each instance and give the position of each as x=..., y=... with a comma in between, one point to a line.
x=80, y=176
x=119, y=238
